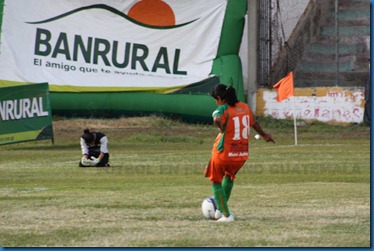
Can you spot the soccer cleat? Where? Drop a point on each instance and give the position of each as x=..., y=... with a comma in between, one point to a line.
x=226, y=219
x=217, y=214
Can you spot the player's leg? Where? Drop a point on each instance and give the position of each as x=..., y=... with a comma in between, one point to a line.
x=231, y=171
x=215, y=172
x=227, y=185
x=104, y=161
x=220, y=197
x=231, y=168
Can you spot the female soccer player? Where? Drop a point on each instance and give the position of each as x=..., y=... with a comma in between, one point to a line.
x=230, y=150
x=94, y=149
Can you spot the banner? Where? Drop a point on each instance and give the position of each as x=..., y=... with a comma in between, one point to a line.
x=25, y=113
x=107, y=45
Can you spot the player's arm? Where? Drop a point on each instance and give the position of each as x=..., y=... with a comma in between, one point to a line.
x=218, y=122
x=267, y=137
x=84, y=148
x=85, y=161
x=103, y=147
x=218, y=119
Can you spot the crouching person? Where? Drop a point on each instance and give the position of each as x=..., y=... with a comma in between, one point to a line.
x=94, y=149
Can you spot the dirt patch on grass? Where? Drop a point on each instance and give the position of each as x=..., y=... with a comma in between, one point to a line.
x=124, y=127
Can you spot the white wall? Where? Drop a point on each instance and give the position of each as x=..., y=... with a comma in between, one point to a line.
x=335, y=104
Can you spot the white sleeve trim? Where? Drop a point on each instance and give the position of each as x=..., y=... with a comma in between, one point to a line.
x=84, y=147
x=104, y=145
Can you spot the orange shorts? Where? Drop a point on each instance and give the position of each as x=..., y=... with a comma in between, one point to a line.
x=217, y=169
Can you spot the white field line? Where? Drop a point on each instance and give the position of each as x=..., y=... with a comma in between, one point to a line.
x=299, y=145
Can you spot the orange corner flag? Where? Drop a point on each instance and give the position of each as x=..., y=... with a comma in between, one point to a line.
x=285, y=87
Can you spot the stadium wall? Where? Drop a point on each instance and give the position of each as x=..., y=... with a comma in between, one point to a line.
x=329, y=88
x=339, y=105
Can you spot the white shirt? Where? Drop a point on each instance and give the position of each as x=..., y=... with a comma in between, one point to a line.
x=103, y=146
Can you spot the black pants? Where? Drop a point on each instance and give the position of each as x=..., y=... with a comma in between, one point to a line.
x=95, y=153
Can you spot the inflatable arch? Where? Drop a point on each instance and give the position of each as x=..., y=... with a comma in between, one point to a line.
x=196, y=50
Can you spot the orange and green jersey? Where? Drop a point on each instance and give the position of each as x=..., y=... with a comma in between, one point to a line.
x=232, y=143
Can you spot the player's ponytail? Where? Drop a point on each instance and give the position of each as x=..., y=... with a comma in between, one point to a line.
x=230, y=96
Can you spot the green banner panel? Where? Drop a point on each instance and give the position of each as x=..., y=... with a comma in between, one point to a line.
x=25, y=113
x=192, y=104
x=1, y=13
x=229, y=68
x=233, y=25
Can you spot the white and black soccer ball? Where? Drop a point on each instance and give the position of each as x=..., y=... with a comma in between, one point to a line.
x=209, y=207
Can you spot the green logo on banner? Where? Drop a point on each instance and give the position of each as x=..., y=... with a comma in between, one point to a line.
x=25, y=113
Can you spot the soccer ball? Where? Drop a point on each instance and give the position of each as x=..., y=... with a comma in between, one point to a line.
x=209, y=207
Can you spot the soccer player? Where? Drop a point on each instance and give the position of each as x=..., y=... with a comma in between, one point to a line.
x=230, y=150
x=94, y=149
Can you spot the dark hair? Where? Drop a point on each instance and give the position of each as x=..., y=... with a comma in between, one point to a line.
x=227, y=94
x=88, y=136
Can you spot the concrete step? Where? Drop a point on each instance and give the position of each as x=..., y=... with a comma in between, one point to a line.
x=323, y=83
x=345, y=31
x=303, y=79
x=349, y=22
x=351, y=17
x=351, y=14
x=347, y=76
x=355, y=22
x=326, y=66
x=319, y=62
x=354, y=4
x=344, y=48
x=364, y=39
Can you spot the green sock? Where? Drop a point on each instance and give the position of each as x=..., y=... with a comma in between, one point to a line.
x=220, y=197
x=227, y=185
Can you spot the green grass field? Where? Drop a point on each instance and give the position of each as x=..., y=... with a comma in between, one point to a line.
x=316, y=194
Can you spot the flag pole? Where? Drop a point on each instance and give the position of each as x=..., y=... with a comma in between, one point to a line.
x=294, y=120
